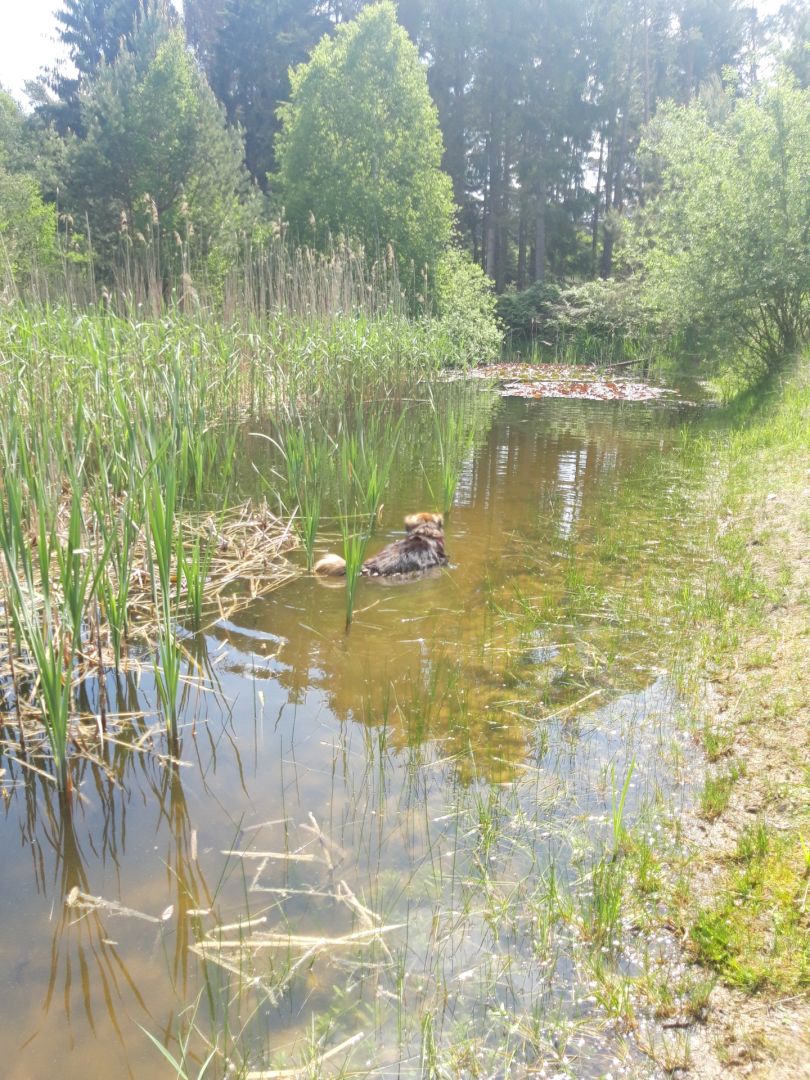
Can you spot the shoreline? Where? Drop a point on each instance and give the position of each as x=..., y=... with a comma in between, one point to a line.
x=742, y=903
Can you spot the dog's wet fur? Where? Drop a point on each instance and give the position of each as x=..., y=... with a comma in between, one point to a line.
x=422, y=548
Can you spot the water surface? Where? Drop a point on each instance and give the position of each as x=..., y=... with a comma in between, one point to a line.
x=438, y=782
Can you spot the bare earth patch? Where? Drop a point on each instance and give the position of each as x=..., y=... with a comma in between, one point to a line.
x=759, y=700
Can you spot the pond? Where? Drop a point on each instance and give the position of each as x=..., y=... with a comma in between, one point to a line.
x=387, y=852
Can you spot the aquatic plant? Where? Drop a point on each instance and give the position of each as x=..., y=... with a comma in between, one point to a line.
x=355, y=541
x=163, y=540
x=36, y=618
x=455, y=431
x=303, y=446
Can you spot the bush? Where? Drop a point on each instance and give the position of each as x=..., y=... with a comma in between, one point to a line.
x=598, y=319
x=465, y=309
x=612, y=311
x=27, y=230
x=724, y=244
x=526, y=314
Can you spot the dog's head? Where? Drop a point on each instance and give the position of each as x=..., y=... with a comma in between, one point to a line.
x=415, y=521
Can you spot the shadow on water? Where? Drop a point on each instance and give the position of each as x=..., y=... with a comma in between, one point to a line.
x=394, y=838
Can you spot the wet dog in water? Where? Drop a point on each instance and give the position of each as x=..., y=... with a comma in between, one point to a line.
x=421, y=549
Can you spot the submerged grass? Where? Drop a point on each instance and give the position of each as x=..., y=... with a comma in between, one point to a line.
x=517, y=872
x=737, y=616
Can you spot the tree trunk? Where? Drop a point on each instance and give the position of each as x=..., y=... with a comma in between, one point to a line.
x=502, y=230
x=540, y=233
x=490, y=221
x=617, y=168
x=647, y=86
x=521, y=263
x=595, y=227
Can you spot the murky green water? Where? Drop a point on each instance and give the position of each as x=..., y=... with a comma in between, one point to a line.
x=431, y=792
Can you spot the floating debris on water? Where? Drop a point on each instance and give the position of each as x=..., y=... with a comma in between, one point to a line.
x=568, y=381
x=586, y=389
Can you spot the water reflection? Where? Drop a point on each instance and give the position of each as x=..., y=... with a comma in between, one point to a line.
x=449, y=758
x=110, y=951
x=525, y=505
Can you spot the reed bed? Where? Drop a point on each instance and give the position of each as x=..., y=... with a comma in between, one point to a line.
x=265, y=274
x=121, y=439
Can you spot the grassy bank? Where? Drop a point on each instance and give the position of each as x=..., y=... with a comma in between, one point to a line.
x=715, y=910
x=742, y=895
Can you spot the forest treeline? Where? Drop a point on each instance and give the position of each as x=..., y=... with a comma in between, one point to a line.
x=199, y=140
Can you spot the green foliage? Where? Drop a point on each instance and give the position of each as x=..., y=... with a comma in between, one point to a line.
x=725, y=242
x=27, y=225
x=527, y=313
x=360, y=148
x=755, y=933
x=465, y=305
x=246, y=49
x=597, y=320
x=159, y=162
x=12, y=133
x=613, y=313
x=27, y=228
x=94, y=35
x=794, y=37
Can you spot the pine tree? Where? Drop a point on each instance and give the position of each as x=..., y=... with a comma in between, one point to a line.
x=257, y=42
x=159, y=162
x=94, y=32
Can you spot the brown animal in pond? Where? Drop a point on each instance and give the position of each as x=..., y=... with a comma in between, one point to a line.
x=412, y=521
x=421, y=549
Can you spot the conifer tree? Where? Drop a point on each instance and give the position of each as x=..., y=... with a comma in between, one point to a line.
x=159, y=162
x=94, y=33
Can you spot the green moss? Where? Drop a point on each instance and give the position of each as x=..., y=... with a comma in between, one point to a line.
x=757, y=935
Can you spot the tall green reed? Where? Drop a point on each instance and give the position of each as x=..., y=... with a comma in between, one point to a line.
x=302, y=444
x=163, y=540
x=48, y=639
x=354, y=532
x=87, y=394
x=455, y=439
x=368, y=441
x=194, y=568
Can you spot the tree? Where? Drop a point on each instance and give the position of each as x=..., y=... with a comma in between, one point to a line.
x=158, y=158
x=793, y=29
x=95, y=32
x=27, y=225
x=13, y=142
x=726, y=250
x=360, y=148
x=247, y=48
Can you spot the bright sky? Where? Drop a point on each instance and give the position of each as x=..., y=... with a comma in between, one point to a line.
x=28, y=39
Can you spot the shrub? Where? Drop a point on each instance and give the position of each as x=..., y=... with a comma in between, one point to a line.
x=723, y=245
x=465, y=309
x=612, y=311
x=27, y=229
x=526, y=314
